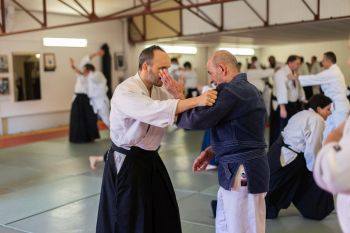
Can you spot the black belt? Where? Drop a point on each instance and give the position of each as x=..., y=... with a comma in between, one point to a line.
x=289, y=148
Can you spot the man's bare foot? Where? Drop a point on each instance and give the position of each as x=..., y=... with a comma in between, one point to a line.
x=94, y=160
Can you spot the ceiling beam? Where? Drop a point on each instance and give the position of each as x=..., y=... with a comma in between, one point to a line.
x=81, y=7
x=28, y=12
x=256, y=12
x=315, y=14
x=73, y=8
x=139, y=10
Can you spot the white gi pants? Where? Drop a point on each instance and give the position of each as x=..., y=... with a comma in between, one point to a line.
x=239, y=211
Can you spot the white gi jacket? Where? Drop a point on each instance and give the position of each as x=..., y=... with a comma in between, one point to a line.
x=97, y=91
x=190, y=79
x=139, y=118
x=255, y=77
x=285, y=91
x=333, y=85
x=81, y=85
x=332, y=173
x=303, y=133
x=174, y=71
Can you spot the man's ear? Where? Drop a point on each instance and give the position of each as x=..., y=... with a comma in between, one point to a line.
x=318, y=109
x=145, y=66
x=223, y=68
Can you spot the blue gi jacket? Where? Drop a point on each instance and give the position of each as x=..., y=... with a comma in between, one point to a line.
x=237, y=122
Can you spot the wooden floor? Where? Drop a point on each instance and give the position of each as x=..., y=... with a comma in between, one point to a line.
x=35, y=136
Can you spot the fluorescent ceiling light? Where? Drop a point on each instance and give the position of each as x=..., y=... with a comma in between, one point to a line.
x=64, y=42
x=178, y=49
x=240, y=51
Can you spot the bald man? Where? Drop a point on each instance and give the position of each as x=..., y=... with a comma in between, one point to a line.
x=237, y=127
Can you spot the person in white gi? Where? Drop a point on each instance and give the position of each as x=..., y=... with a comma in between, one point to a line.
x=90, y=90
x=289, y=96
x=332, y=170
x=259, y=78
x=174, y=69
x=96, y=86
x=137, y=194
x=191, y=80
x=276, y=65
x=286, y=90
x=333, y=85
x=291, y=162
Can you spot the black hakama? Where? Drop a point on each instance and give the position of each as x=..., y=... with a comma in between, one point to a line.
x=140, y=198
x=295, y=184
x=277, y=123
x=83, y=120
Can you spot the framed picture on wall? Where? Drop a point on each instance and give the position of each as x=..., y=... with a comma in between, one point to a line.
x=119, y=61
x=4, y=65
x=49, y=62
x=4, y=86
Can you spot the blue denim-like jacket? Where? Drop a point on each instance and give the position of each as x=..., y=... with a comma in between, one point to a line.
x=237, y=122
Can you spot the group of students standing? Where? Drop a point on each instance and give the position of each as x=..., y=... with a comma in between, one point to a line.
x=137, y=194
x=296, y=138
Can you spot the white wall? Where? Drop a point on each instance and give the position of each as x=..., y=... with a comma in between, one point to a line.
x=340, y=48
x=198, y=60
x=56, y=87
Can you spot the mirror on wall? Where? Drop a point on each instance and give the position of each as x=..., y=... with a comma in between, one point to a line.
x=26, y=73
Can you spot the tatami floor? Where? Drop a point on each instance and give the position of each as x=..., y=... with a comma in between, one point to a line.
x=47, y=187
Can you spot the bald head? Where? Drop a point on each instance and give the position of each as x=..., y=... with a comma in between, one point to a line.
x=226, y=58
x=222, y=67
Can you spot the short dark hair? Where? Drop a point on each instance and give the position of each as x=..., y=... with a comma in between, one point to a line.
x=147, y=54
x=318, y=100
x=292, y=58
x=187, y=65
x=89, y=67
x=331, y=56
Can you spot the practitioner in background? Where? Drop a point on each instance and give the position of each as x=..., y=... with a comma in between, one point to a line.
x=291, y=162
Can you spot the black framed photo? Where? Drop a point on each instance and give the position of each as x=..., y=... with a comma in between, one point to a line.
x=119, y=61
x=4, y=86
x=49, y=62
x=4, y=64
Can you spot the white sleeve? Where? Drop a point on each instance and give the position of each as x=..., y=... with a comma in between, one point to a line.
x=97, y=85
x=98, y=77
x=281, y=88
x=332, y=167
x=316, y=79
x=140, y=107
x=313, y=141
x=259, y=73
